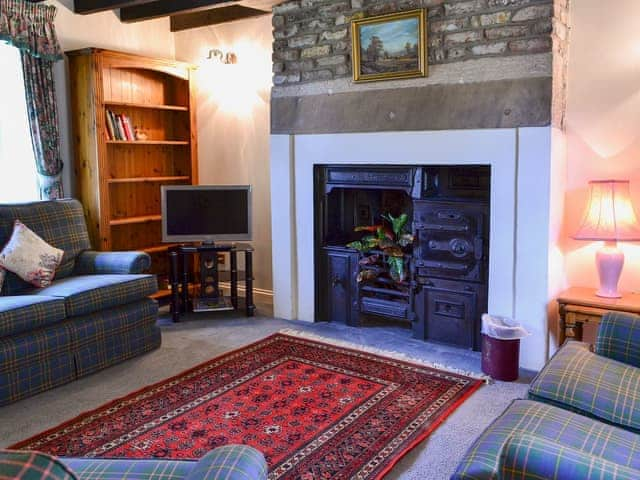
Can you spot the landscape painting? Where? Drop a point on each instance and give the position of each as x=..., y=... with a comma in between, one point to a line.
x=389, y=46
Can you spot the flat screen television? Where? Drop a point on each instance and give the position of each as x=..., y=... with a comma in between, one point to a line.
x=206, y=213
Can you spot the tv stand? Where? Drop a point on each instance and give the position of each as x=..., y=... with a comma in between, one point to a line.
x=210, y=297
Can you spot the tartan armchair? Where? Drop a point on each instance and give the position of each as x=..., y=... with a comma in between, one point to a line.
x=582, y=418
x=603, y=384
x=231, y=462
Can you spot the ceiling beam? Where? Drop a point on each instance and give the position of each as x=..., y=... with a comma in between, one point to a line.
x=84, y=7
x=163, y=8
x=213, y=16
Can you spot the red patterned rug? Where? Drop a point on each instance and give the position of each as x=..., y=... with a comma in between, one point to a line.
x=315, y=410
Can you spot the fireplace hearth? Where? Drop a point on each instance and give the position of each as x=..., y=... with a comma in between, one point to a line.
x=444, y=290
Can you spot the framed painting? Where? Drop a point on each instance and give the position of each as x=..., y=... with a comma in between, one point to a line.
x=390, y=46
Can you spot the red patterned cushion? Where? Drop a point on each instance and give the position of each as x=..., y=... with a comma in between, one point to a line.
x=2, y=274
x=30, y=257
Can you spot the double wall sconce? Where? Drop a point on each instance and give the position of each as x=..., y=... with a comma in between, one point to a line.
x=218, y=56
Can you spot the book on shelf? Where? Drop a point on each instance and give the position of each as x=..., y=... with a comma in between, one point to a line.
x=111, y=135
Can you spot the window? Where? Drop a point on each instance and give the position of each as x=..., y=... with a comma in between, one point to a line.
x=18, y=180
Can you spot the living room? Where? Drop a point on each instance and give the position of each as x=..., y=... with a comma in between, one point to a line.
x=482, y=161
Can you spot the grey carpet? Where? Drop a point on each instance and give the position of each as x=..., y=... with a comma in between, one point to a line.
x=200, y=337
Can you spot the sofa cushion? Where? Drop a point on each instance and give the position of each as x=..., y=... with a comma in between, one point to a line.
x=90, y=293
x=25, y=465
x=30, y=257
x=528, y=457
x=581, y=381
x=22, y=313
x=118, y=469
x=482, y=461
x=60, y=223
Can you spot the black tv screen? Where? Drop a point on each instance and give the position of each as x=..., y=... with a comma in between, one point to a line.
x=206, y=213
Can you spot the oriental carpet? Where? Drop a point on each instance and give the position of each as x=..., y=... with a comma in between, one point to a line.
x=316, y=411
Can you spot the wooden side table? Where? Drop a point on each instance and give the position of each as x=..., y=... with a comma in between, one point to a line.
x=581, y=305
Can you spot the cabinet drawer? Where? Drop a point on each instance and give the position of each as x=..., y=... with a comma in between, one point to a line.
x=382, y=177
x=580, y=317
x=385, y=308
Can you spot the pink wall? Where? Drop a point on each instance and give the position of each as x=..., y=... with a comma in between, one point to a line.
x=603, y=123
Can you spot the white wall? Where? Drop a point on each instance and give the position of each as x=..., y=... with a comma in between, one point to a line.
x=519, y=229
x=233, y=118
x=102, y=30
x=603, y=123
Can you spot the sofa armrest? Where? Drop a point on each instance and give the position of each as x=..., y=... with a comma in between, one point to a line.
x=528, y=457
x=618, y=338
x=231, y=462
x=90, y=262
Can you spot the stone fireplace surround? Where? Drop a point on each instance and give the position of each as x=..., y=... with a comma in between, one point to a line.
x=520, y=160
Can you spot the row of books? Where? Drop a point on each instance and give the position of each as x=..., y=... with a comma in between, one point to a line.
x=119, y=127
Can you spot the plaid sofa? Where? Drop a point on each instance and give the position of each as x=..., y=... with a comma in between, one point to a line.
x=97, y=312
x=231, y=462
x=582, y=418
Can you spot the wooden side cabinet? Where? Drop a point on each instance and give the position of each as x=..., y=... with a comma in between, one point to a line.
x=581, y=305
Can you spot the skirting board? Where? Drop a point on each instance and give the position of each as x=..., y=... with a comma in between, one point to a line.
x=266, y=295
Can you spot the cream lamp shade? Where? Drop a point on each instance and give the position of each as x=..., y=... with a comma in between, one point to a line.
x=609, y=216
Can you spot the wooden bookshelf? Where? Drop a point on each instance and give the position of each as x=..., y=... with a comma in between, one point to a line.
x=118, y=181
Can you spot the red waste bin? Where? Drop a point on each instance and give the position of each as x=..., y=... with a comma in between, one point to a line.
x=500, y=358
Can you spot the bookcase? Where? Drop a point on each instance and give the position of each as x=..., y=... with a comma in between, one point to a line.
x=118, y=181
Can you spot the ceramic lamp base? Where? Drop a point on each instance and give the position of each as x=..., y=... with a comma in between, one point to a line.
x=609, y=260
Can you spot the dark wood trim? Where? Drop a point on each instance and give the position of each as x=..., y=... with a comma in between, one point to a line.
x=84, y=7
x=514, y=103
x=163, y=8
x=213, y=16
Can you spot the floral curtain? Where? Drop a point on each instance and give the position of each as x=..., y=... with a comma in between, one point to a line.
x=29, y=27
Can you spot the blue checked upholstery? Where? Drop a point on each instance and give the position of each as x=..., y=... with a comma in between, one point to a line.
x=60, y=223
x=23, y=465
x=231, y=462
x=237, y=462
x=584, y=382
x=120, y=469
x=35, y=361
x=586, y=435
x=90, y=262
x=111, y=336
x=619, y=338
x=23, y=313
x=527, y=457
x=91, y=293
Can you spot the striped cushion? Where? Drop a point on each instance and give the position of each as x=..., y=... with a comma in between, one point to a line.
x=16, y=464
x=231, y=462
x=91, y=293
x=590, y=384
x=619, y=338
x=60, y=223
x=115, y=469
x=527, y=457
x=23, y=313
x=589, y=436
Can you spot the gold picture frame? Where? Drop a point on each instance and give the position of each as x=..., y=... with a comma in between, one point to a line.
x=375, y=62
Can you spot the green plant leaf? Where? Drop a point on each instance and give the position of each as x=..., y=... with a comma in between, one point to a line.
x=396, y=268
x=397, y=223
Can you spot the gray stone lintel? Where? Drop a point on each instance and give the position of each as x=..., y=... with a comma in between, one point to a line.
x=524, y=102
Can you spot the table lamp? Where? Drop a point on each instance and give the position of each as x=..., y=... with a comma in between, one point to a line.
x=610, y=217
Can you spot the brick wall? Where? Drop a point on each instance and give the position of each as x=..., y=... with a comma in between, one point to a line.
x=560, y=62
x=312, y=38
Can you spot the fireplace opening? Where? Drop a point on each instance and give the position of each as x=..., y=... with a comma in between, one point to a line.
x=403, y=244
